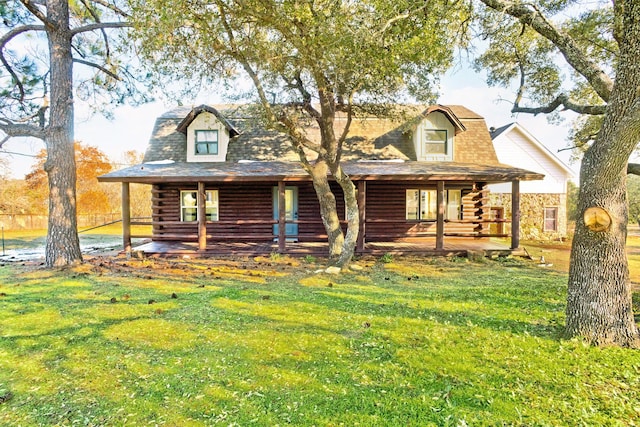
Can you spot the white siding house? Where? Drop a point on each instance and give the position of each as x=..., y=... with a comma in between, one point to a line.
x=543, y=204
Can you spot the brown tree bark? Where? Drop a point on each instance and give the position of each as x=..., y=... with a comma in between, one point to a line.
x=63, y=246
x=599, y=290
x=352, y=216
x=328, y=209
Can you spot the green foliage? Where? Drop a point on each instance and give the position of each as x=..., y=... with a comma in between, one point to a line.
x=106, y=72
x=240, y=345
x=572, y=201
x=519, y=57
x=386, y=258
x=371, y=50
x=515, y=51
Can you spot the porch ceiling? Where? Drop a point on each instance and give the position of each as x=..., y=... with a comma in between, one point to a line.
x=151, y=173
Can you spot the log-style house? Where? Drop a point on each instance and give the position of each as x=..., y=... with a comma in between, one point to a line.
x=223, y=184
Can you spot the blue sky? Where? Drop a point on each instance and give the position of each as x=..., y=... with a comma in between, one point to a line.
x=131, y=127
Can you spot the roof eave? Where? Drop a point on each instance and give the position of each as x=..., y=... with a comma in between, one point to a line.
x=184, y=124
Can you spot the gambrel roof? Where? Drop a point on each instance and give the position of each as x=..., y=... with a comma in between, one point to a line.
x=370, y=138
x=376, y=148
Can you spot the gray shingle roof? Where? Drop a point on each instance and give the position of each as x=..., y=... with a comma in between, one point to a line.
x=369, y=137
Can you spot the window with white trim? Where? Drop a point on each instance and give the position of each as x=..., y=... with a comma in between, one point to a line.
x=206, y=142
x=551, y=219
x=422, y=205
x=434, y=142
x=189, y=205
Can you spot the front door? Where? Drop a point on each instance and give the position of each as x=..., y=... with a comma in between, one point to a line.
x=291, y=210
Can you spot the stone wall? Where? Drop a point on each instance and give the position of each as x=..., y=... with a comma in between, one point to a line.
x=532, y=214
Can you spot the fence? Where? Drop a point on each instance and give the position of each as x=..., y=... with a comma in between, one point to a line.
x=39, y=222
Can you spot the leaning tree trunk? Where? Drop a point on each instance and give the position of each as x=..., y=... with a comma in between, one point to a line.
x=63, y=246
x=328, y=209
x=352, y=214
x=599, y=295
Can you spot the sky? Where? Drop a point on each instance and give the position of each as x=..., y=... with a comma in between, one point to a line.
x=131, y=127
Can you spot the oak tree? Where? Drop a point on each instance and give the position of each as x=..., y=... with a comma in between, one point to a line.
x=41, y=43
x=308, y=61
x=584, y=60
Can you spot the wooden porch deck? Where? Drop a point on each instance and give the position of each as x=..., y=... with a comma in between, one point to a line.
x=453, y=246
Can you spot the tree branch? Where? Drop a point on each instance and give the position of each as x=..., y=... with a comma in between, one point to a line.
x=6, y=38
x=99, y=67
x=597, y=78
x=99, y=26
x=345, y=131
x=633, y=168
x=102, y=30
x=21, y=129
x=33, y=8
x=111, y=7
x=402, y=16
x=564, y=101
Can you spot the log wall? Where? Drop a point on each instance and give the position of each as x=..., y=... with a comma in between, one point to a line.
x=246, y=212
x=386, y=212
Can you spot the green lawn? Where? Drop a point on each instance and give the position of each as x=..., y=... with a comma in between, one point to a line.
x=268, y=342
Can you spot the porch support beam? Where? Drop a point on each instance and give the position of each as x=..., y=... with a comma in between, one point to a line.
x=362, y=213
x=202, y=217
x=282, y=223
x=515, y=214
x=440, y=198
x=126, y=217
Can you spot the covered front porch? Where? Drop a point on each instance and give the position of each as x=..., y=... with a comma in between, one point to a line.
x=454, y=246
x=381, y=188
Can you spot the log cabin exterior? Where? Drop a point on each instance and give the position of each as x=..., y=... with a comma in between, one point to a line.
x=217, y=178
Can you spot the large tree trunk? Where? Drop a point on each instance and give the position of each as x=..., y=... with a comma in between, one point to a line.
x=599, y=305
x=328, y=209
x=599, y=294
x=63, y=246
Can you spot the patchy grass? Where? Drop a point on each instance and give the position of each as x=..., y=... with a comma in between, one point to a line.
x=268, y=342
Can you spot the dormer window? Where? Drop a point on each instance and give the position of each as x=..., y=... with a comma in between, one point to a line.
x=435, y=141
x=206, y=142
x=434, y=135
x=208, y=135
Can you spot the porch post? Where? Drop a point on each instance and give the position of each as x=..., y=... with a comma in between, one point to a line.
x=282, y=216
x=362, y=213
x=126, y=218
x=202, y=217
x=515, y=214
x=440, y=198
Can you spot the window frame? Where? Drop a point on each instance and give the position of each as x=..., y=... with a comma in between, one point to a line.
x=433, y=142
x=431, y=212
x=209, y=143
x=212, y=211
x=554, y=218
